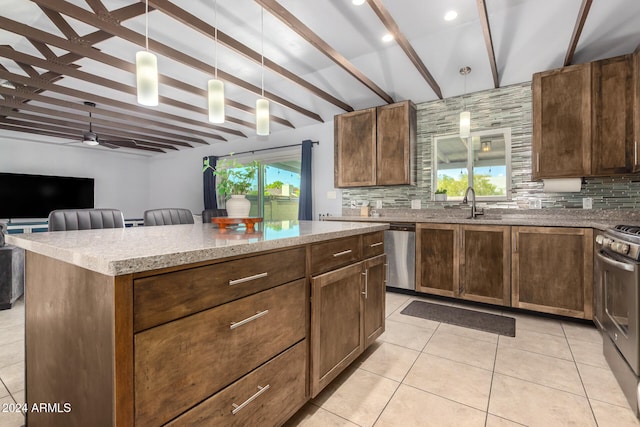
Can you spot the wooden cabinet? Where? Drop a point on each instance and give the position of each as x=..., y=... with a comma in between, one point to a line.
x=552, y=270
x=464, y=261
x=347, y=312
x=583, y=120
x=485, y=264
x=636, y=111
x=561, y=122
x=375, y=146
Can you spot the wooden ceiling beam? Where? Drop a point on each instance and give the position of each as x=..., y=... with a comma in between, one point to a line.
x=97, y=7
x=307, y=34
x=197, y=24
x=488, y=41
x=80, y=51
x=61, y=23
x=124, y=33
x=381, y=11
x=101, y=100
x=577, y=31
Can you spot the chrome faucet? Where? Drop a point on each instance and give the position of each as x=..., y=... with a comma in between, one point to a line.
x=474, y=211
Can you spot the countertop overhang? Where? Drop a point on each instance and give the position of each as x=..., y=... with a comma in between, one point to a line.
x=121, y=251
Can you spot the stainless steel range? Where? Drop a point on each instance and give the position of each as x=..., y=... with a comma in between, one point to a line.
x=618, y=305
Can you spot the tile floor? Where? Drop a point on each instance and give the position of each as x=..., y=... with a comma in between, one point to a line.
x=425, y=373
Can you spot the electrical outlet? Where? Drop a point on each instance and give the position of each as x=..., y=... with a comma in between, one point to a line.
x=587, y=203
x=378, y=204
x=352, y=204
x=415, y=204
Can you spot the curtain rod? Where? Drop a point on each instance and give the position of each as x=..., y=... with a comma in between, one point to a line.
x=266, y=149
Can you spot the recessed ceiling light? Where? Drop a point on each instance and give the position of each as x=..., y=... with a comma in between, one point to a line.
x=451, y=15
x=358, y=2
x=387, y=38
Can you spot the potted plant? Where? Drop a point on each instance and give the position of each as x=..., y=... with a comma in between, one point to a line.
x=441, y=195
x=233, y=181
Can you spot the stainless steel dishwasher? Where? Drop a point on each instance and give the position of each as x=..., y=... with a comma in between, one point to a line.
x=400, y=246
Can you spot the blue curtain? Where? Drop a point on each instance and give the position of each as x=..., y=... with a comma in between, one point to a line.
x=305, y=208
x=209, y=182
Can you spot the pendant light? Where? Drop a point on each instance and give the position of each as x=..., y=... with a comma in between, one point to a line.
x=215, y=86
x=147, y=70
x=465, y=116
x=262, y=105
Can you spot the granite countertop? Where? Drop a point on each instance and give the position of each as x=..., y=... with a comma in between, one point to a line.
x=135, y=249
x=597, y=219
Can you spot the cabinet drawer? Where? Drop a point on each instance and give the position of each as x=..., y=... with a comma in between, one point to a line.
x=335, y=253
x=166, y=297
x=264, y=397
x=183, y=362
x=373, y=244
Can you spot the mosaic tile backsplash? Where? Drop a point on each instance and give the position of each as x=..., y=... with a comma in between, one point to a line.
x=506, y=107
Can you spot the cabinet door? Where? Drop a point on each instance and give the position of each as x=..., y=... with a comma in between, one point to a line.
x=374, y=298
x=396, y=143
x=336, y=323
x=355, y=148
x=562, y=122
x=552, y=270
x=636, y=111
x=613, y=144
x=437, y=259
x=485, y=264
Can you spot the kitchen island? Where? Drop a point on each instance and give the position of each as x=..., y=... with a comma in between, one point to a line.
x=192, y=325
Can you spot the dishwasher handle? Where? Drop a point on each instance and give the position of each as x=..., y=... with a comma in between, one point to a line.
x=402, y=226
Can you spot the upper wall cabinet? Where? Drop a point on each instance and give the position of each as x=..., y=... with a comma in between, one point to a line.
x=375, y=146
x=636, y=111
x=583, y=120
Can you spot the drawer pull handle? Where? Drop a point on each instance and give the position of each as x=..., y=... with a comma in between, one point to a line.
x=348, y=251
x=248, y=319
x=236, y=408
x=373, y=245
x=248, y=278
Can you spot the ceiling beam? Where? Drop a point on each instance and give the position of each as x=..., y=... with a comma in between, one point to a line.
x=488, y=41
x=197, y=24
x=402, y=40
x=577, y=31
x=124, y=33
x=83, y=51
x=306, y=33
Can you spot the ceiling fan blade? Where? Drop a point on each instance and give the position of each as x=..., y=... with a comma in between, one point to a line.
x=108, y=145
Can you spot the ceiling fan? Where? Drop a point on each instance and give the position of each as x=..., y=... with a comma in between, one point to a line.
x=91, y=138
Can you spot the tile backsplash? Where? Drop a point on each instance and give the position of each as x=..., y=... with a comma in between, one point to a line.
x=510, y=107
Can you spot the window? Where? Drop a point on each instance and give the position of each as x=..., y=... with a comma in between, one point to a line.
x=275, y=192
x=482, y=161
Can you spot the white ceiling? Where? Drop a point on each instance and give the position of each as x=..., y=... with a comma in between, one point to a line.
x=528, y=36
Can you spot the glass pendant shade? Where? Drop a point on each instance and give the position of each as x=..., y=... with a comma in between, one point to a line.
x=147, y=78
x=262, y=117
x=465, y=124
x=216, y=101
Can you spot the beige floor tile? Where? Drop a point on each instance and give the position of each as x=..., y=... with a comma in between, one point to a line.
x=313, y=416
x=536, y=405
x=395, y=301
x=389, y=360
x=457, y=381
x=462, y=349
x=493, y=421
x=406, y=335
x=589, y=353
x=13, y=317
x=358, y=397
x=11, y=353
x=18, y=396
x=602, y=385
x=11, y=334
x=609, y=415
x=413, y=320
x=411, y=407
x=468, y=332
x=3, y=391
x=10, y=419
x=580, y=331
x=538, y=368
x=535, y=323
x=537, y=342
x=13, y=376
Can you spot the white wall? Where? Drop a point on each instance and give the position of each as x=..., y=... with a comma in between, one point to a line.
x=121, y=180
x=176, y=178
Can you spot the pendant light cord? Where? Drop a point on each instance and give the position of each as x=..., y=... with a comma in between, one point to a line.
x=146, y=25
x=262, y=45
x=215, y=37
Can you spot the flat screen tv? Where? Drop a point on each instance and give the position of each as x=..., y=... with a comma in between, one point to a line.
x=34, y=196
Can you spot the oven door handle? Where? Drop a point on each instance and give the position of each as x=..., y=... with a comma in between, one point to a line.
x=608, y=260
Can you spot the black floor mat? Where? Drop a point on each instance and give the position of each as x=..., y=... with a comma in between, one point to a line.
x=459, y=316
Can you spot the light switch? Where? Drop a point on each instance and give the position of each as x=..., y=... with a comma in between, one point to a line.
x=415, y=204
x=331, y=195
x=378, y=204
x=587, y=203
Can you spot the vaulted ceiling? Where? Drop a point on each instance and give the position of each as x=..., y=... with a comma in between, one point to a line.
x=321, y=58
